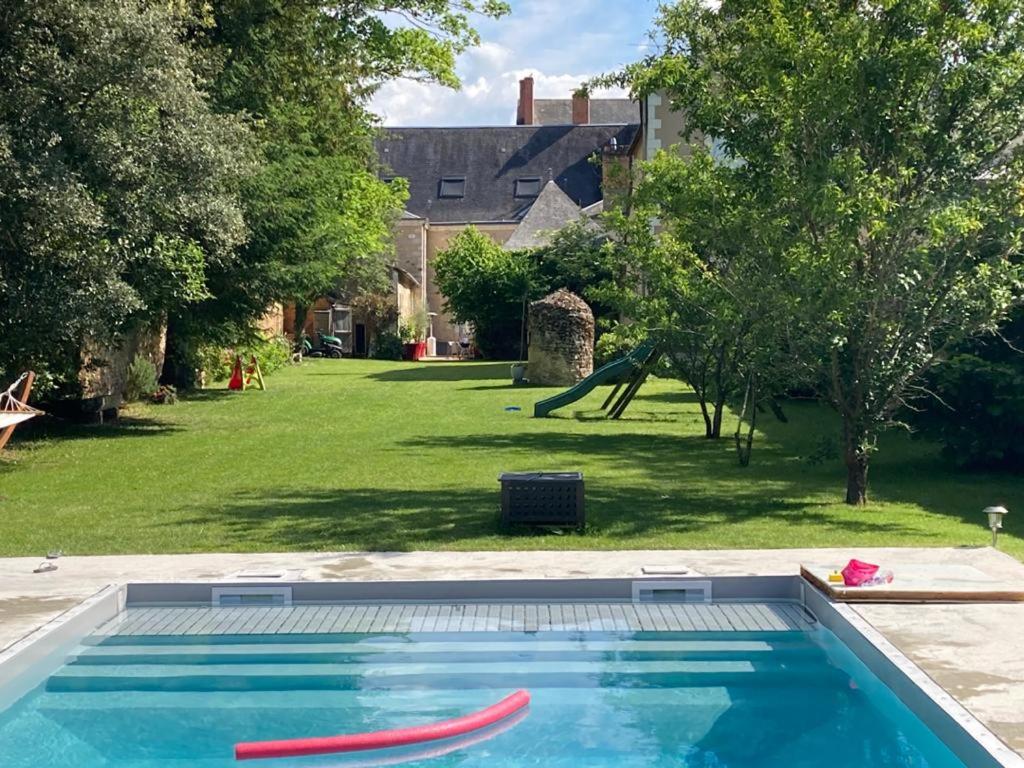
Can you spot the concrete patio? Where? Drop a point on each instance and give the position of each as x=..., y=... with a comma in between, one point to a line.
x=970, y=649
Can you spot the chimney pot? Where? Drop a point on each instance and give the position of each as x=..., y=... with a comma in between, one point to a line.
x=580, y=109
x=524, y=109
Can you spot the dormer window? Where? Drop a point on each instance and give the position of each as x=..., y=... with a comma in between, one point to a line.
x=528, y=186
x=452, y=187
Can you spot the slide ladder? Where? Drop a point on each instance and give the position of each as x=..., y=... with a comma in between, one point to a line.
x=628, y=372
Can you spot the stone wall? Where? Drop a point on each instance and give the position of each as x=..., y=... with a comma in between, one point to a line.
x=561, y=340
x=104, y=367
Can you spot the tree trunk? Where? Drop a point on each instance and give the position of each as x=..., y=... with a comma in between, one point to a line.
x=301, y=313
x=178, y=370
x=744, y=447
x=856, y=477
x=708, y=425
x=716, y=425
x=855, y=454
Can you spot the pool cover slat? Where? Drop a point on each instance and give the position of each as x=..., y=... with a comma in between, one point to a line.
x=454, y=617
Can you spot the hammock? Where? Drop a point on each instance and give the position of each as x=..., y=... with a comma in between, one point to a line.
x=12, y=410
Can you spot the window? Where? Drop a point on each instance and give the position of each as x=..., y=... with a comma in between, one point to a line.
x=452, y=186
x=528, y=187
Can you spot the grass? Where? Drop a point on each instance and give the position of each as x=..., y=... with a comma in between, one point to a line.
x=350, y=454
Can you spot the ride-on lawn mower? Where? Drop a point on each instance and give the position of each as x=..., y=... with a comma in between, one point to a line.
x=330, y=346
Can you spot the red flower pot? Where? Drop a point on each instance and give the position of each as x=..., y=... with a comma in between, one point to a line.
x=414, y=350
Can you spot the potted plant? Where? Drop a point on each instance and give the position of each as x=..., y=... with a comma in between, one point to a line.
x=519, y=372
x=413, y=331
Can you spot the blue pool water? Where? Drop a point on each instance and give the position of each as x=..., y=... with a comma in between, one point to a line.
x=694, y=699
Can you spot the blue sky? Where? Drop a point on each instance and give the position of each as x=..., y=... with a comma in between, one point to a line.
x=559, y=42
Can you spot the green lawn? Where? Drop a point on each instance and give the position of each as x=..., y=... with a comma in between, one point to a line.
x=356, y=454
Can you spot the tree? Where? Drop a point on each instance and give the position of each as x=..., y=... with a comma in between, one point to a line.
x=117, y=181
x=487, y=286
x=303, y=71
x=879, y=146
x=979, y=417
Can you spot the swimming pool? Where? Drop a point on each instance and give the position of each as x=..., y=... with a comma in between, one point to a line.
x=728, y=692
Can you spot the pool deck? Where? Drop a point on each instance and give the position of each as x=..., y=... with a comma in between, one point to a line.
x=973, y=650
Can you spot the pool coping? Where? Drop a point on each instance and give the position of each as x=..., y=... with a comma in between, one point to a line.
x=42, y=651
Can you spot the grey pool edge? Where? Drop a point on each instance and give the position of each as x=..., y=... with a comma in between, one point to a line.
x=25, y=663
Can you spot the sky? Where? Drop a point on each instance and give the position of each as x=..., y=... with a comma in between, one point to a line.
x=560, y=42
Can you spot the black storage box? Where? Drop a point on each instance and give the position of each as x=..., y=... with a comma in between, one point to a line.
x=542, y=498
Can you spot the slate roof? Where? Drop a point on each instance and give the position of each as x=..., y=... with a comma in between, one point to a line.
x=551, y=211
x=491, y=159
x=559, y=111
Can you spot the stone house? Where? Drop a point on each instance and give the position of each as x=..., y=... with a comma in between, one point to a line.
x=564, y=159
x=513, y=183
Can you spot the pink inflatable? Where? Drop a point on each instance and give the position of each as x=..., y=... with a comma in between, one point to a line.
x=397, y=737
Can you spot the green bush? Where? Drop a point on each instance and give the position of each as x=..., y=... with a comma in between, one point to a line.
x=616, y=343
x=387, y=346
x=980, y=420
x=141, y=379
x=487, y=286
x=218, y=362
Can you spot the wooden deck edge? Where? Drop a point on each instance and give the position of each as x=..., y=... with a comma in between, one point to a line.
x=844, y=594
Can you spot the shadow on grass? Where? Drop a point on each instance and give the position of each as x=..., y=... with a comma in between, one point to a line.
x=680, y=397
x=52, y=428
x=637, y=485
x=382, y=519
x=904, y=470
x=206, y=395
x=460, y=371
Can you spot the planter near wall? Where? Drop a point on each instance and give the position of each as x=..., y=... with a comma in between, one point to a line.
x=414, y=350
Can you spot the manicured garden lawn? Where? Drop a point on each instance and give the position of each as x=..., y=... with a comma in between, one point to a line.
x=356, y=454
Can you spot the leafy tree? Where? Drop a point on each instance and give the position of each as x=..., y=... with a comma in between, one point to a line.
x=979, y=417
x=879, y=146
x=117, y=182
x=487, y=286
x=320, y=219
x=582, y=258
x=692, y=277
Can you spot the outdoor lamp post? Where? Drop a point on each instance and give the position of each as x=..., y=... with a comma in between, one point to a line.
x=995, y=520
x=431, y=340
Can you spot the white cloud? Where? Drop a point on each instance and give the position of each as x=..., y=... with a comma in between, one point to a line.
x=489, y=99
x=562, y=44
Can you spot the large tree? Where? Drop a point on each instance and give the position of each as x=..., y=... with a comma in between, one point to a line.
x=303, y=71
x=117, y=181
x=879, y=146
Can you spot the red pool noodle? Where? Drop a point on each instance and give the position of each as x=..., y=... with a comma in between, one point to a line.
x=396, y=737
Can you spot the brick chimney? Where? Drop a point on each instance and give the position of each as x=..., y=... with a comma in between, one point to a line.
x=580, y=109
x=524, y=109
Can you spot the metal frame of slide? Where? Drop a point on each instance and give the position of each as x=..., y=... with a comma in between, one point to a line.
x=639, y=363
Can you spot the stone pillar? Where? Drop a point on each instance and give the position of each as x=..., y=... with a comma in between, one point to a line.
x=561, y=340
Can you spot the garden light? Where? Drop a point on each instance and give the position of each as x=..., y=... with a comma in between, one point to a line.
x=995, y=520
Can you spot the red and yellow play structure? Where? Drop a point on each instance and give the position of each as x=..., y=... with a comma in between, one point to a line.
x=242, y=377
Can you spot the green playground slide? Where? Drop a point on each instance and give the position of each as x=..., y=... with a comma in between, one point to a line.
x=610, y=372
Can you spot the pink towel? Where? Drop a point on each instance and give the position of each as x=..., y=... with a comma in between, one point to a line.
x=856, y=573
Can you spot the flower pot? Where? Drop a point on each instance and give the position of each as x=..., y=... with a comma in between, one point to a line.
x=414, y=350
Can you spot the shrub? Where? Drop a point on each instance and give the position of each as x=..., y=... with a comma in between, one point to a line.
x=387, y=346
x=141, y=379
x=218, y=361
x=981, y=417
x=415, y=327
x=487, y=286
x=616, y=343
